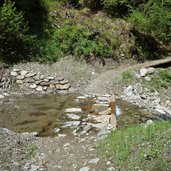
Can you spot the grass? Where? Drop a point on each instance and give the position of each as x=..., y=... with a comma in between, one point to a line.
x=127, y=77
x=139, y=147
x=161, y=80
x=30, y=150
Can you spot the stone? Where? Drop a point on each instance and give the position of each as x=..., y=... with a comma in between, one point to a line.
x=128, y=91
x=86, y=129
x=42, y=77
x=6, y=94
x=149, y=122
x=14, y=74
x=44, y=83
x=64, y=82
x=84, y=169
x=103, y=132
x=45, y=88
x=16, y=69
x=46, y=80
x=50, y=78
x=143, y=72
x=138, y=88
x=20, y=77
x=81, y=97
x=111, y=169
x=73, y=116
x=30, y=74
x=29, y=80
x=23, y=73
x=56, y=130
x=118, y=111
x=38, y=82
x=151, y=70
x=94, y=161
x=1, y=96
x=60, y=78
x=102, y=121
x=147, y=78
x=49, y=90
x=39, y=88
x=73, y=110
x=101, y=98
x=33, y=86
x=137, y=76
x=52, y=86
x=19, y=82
x=36, y=78
x=105, y=112
x=62, y=91
x=71, y=124
x=64, y=87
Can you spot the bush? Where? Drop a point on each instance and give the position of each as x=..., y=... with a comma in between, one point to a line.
x=153, y=19
x=15, y=42
x=81, y=43
x=92, y=4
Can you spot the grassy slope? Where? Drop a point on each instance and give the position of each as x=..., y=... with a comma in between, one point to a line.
x=139, y=147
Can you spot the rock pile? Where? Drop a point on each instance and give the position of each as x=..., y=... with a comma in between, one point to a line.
x=40, y=83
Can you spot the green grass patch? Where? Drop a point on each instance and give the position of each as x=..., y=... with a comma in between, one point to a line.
x=127, y=77
x=139, y=147
x=161, y=80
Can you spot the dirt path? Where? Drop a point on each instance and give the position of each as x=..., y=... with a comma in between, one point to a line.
x=107, y=82
x=71, y=153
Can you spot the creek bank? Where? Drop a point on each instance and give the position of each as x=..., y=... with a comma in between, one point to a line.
x=140, y=95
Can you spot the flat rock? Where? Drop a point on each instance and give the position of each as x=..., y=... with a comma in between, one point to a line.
x=50, y=78
x=71, y=124
x=14, y=74
x=73, y=116
x=19, y=81
x=42, y=77
x=29, y=80
x=39, y=88
x=143, y=72
x=1, y=96
x=23, y=73
x=64, y=82
x=105, y=112
x=73, y=110
x=151, y=70
x=20, y=77
x=31, y=74
x=128, y=91
x=33, y=86
x=84, y=169
x=16, y=69
x=45, y=83
x=94, y=161
x=81, y=97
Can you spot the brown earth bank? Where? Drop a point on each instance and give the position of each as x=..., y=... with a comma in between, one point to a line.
x=127, y=80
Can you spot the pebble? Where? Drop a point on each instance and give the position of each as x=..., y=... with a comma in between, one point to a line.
x=73, y=110
x=94, y=161
x=1, y=96
x=143, y=72
x=84, y=169
x=111, y=169
x=39, y=88
x=14, y=74
x=73, y=116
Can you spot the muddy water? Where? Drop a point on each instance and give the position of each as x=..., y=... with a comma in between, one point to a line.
x=43, y=113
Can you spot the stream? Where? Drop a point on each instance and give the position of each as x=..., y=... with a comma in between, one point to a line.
x=44, y=113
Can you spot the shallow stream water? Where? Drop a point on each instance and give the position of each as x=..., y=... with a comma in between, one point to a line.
x=43, y=113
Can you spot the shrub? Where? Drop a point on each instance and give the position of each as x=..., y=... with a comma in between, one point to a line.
x=153, y=19
x=93, y=4
x=80, y=42
x=14, y=38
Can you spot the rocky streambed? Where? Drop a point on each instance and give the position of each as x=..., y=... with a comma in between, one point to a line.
x=41, y=132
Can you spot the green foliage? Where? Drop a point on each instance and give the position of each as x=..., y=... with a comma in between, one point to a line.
x=14, y=38
x=161, y=80
x=153, y=19
x=116, y=7
x=81, y=43
x=132, y=148
x=93, y=4
x=127, y=76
